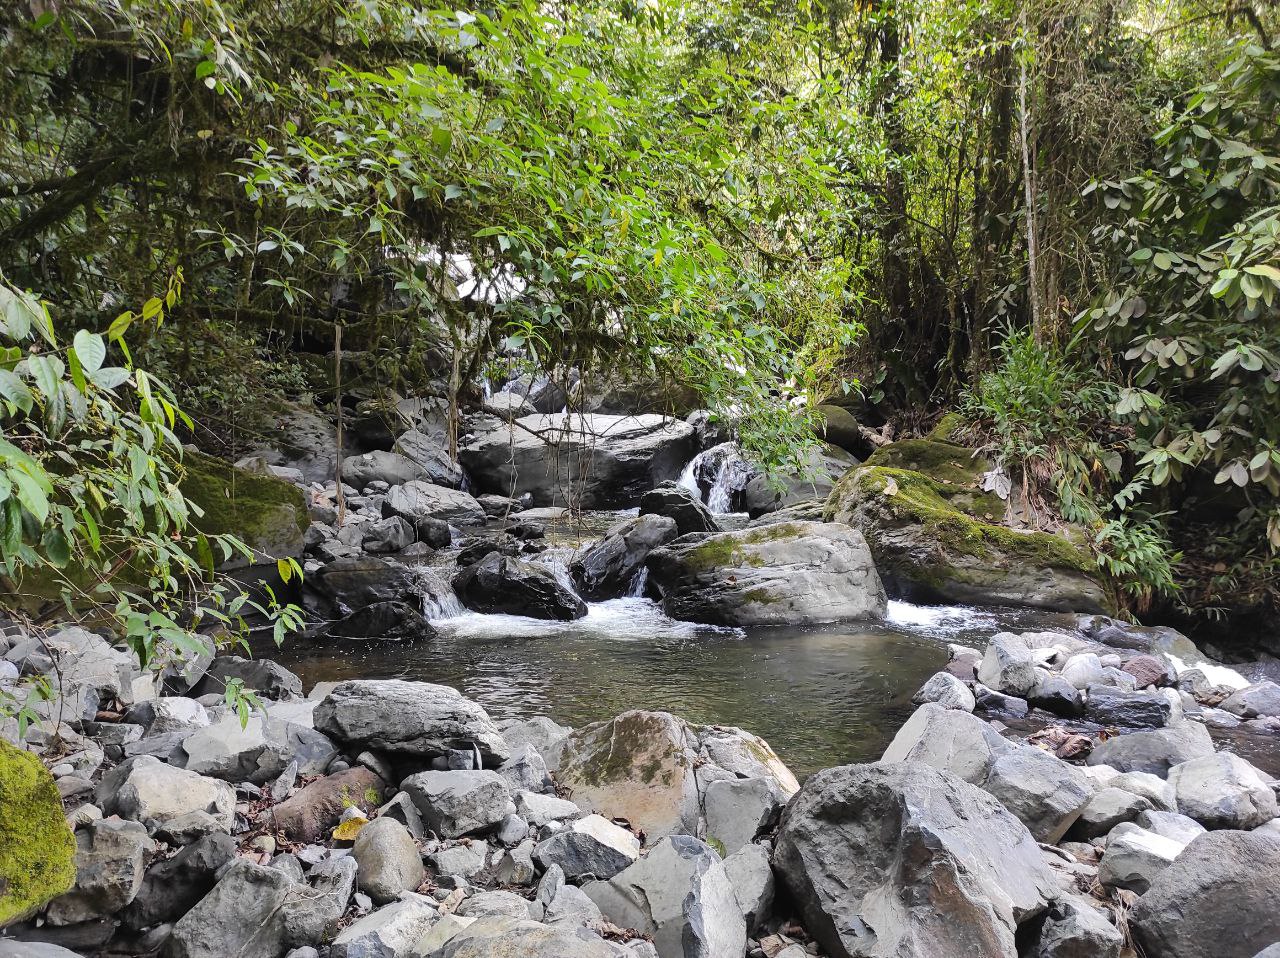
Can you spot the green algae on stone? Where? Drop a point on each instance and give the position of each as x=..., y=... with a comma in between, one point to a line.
x=265, y=512
x=37, y=849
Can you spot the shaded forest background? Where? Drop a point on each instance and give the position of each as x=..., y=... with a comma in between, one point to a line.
x=1060, y=220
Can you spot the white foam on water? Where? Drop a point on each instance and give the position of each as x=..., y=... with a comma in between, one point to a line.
x=615, y=619
x=1217, y=674
x=938, y=619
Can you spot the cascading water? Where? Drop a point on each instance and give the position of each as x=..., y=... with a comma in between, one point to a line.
x=716, y=475
x=438, y=598
x=638, y=582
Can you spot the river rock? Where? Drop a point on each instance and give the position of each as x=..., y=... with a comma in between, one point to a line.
x=1223, y=791
x=389, y=932
x=146, y=790
x=110, y=857
x=501, y=936
x=902, y=859
x=269, y=679
x=1217, y=900
x=460, y=861
x=681, y=895
x=309, y=813
x=990, y=702
x=418, y=500
x=1260, y=699
x=255, y=751
x=537, y=809
x=90, y=673
x=751, y=875
x=1055, y=694
x=392, y=534
x=1045, y=793
x=525, y=771
x=1116, y=707
x=255, y=896
x=1153, y=788
x=407, y=718
x=956, y=742
x=504, y=584
x=352, y=583
x=1134, y=857
x=1073, y=928
x=1007, y=666
x=381, y=621
x=1172, y=825
x=542, y=733
x=380, y=466
x=590, y=847
x=606, y=569
x=1154, y=751
x=739, y=809
x=946, y=690
x=388, y=860
x=811, y=480
x=1083, y=670
x=453, y=804
x=786, y=573
x=1108, y=808
x=312, y=913
x=161, y=715
x=171, y=888
x=428, y=453
x=678, y=504
x=608, y=462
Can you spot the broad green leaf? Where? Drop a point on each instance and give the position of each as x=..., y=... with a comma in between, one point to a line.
x=90, y=349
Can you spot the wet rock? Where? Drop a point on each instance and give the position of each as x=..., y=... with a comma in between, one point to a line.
x=946, y=739
x=814, y=478
x=146, y=790
x=453, y=804
x=1217, y=900
x=384, y=621
x=991, y=702
x=269, y=679
x=171, y=888
x=590, y=847
x=385, y=536
x=946, y=690
x=311, y=812
x=407, y=718
x=388, y=860
x=1116, y=707
x=739, y=809
x=1108, y=808
x=1007, y=666
x=681, y=895
x=1075, y=929
x=110, y=857
x=415, y=501
x=1055, y=694
x=609, y=461
x=390, y=932
x=1045, y=793
x=751, y=876
x=1154, y=751
x=677, y=504
x=786, y=573
x=1223, y=791
x=504, y=584
x=1134, y=857
x=352, y=583
x=606, y=569
x=906, y=860
x=1262, y=698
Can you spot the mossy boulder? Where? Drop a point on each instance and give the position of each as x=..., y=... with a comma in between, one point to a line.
x=266, y=513
x=37, y=849
x=937, y=536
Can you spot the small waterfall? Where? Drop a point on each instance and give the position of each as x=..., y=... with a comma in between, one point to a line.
x=689, y=477
x=635, y=590
x=556, y=561
x=716, y=475
x=438, y=598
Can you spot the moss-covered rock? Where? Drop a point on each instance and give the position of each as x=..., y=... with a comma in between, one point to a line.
x=37, y=849
x=268, y=514
x=938, y=537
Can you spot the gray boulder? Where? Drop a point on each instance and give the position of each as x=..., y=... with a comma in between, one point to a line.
x=909, y=861
x=956, y=742
x=457, y=803
x=590, y=847
x=1073, y=928
x=392, y=534
x=171, y=888
x=1007, y=666
x=1111, y=706
x=110, y=857
x=538, y=809
x=388, y=860
x=1134, y=857
x=751, y=875
x=1055, y=694
x=606, y=569
x=946, y=690
x=344, y=585
x=257, y=751
x=1217, y=900
x=1082, y=670
x=312, y=912
x=525, y=771
x=501, y=936
x=1044, y=792
x=428, y=453
x=1223, y=791
x=1154, y=751
x=146, y=790
x=1153, y=788
x=269, y=679
x=504, y=584
x=408, y=718
x=390, y=932
x=786, y=573
x=1259, y=699
x=243, y=916
x=678, y=504
x=380, y=466
x=1108, y=808
x=418, y=500
x=739, y=809
x=681, y=895
x=1172, y=825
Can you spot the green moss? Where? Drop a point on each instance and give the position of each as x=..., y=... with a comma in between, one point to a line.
x=267, y=513
x=716, y=845
x=631, y=747
x=37, y=849
x=943, y=462
x=761, y=597
x=947, y=428
x=726, y=548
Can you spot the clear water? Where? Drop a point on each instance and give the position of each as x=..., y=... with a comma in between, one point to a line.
x=821, y=696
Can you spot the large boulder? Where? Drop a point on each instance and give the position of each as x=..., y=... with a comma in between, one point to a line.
x=1117, y=707
x=1259, y=699
x=269, y=679
x=387, y=859
x=37, y=849
x=243, y=915
x=255, y=751
x=606, y=569
x=786, y=573
x=172, y=887
x=937, y=535
x=354, y=582
x=431, y=455
x=504, y=584
x=605, y=462
x=1223, y=791
x=381, y=466
x=145, y=789
x=418, y=500
x=111, y=856
x=679, y=505
x=1046, y=793
x=1134, y=857
x=1074, y=928
x=681, y=895
x=1154, y=751
x=907, y=861
x=453, y=804
x=813, y=478
x=408, y=718
x=1007, y=666
x=956, y=742
x=1217, y=900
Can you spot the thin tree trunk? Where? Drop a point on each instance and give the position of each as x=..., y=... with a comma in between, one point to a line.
x=1029, y=190
x=337, y=381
